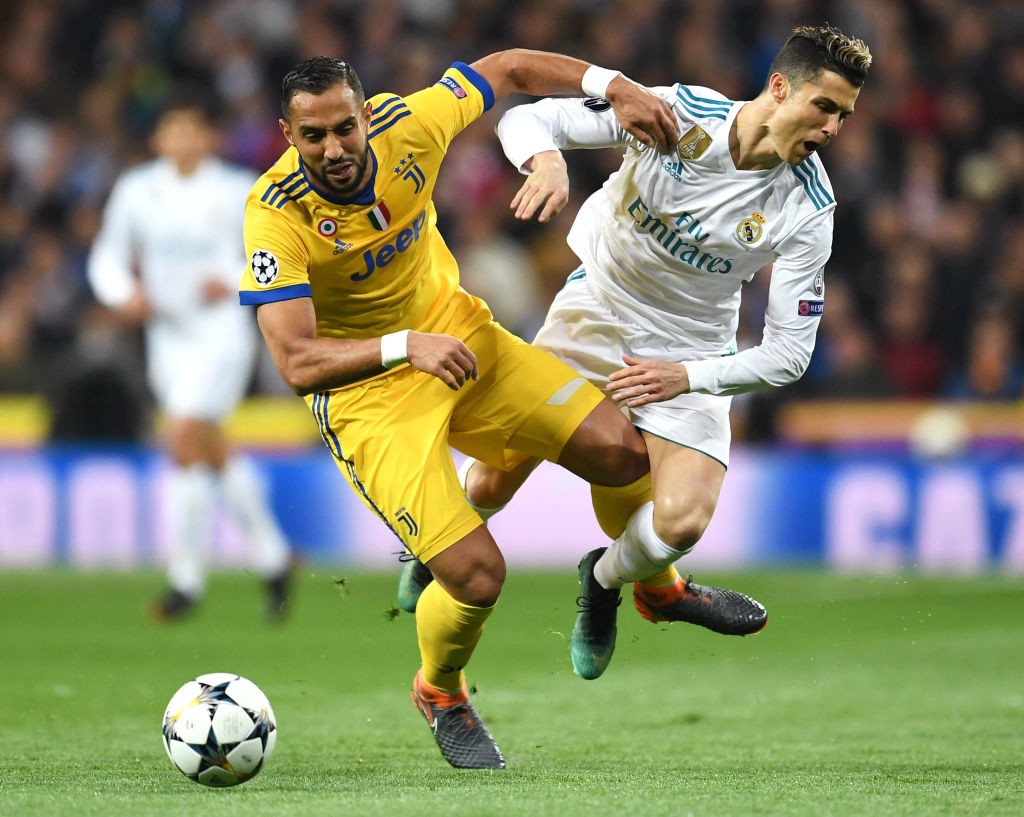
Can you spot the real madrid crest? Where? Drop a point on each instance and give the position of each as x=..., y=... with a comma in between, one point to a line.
x=749, y=230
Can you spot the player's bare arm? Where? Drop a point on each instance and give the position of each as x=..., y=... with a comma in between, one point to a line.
x=308, y=363
x=647, y=381
x=546, y=188
x=643, y=114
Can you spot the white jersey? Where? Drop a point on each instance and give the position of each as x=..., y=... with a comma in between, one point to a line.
x=669, y=240
x=173, y=234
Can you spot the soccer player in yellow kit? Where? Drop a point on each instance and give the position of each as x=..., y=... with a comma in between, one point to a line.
x=358, y=299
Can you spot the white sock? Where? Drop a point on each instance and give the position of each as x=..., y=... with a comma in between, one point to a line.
x=191, y=501
x=485, y=513
x=637, y=554
x=246, y=494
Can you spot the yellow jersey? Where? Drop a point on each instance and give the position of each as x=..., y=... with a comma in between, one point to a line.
x=373, y=263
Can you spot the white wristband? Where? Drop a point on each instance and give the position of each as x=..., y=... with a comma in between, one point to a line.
x=596, y=81
x=394, y=349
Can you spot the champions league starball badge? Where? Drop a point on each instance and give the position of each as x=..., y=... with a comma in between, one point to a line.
x=264, y=267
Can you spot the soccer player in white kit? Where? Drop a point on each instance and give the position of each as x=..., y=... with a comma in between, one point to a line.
x=168, y=256
x=666, y=245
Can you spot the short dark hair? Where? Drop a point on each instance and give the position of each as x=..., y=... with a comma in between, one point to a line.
x=316, y=75
x=812, y=49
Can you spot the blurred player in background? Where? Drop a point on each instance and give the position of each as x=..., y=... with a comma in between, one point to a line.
x=168, y=256
x=359, y=301
x=666, y=245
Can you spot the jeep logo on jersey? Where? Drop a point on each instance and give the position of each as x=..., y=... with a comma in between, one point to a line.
x=596, y=104
x=386, y=254
x=264, y=267
x=694, y=143
x=327, y=227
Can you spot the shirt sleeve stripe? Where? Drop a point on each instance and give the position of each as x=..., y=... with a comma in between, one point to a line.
x=386, y=117
x=812, y=185
x=378, y=130
x=481, y=84
x=386, y=107
x=269, y=296
x=702, y=106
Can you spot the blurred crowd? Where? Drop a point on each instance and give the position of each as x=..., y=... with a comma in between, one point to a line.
x=925, y=288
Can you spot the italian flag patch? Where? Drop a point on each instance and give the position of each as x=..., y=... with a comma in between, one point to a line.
x=380, y=216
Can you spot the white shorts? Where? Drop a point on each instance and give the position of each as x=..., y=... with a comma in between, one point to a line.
x=201, y=370
x=590, y=336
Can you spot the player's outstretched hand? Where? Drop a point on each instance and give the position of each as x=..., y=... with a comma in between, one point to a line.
x=546, y=188
x=647, y=381
x=644, y=114
x=443, y=356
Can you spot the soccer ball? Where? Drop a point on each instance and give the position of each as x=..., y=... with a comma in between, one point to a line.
x=219, y=729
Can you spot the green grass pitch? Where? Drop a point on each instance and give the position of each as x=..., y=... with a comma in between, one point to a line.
x=896, y=695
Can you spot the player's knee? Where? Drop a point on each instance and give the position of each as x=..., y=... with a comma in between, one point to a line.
x=483, y=589
x=474, y=577
x=680, y=526
x=480, y=587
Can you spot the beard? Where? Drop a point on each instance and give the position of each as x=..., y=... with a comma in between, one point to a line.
x=341, y=187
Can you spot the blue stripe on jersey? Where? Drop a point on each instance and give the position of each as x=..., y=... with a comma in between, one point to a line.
x=320, y=400
x=293, y=182
x=358, y=486
x=315, y=408
x=812, y=185
x=322, y=417
x=687, y=95
x=275, y=196
x=389, y=111
x=271, y=296
x=817, y=181
x=481, y=84
x=576, y=274
x=386, y=107
x=702, y=107
x=298, y=194
x=400, y=113
x=274, y=190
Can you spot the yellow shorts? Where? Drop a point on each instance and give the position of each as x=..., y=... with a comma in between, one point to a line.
x=391, y=435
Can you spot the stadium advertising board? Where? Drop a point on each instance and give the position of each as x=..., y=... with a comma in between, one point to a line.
x=105, y=508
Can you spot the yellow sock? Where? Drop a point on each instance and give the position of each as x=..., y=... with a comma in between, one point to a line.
x=663, y=578
x=448, y=631
x=614, y=506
